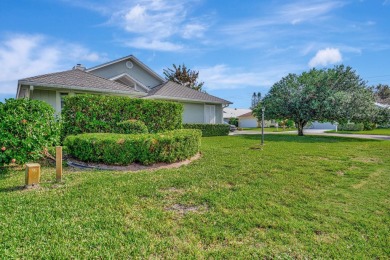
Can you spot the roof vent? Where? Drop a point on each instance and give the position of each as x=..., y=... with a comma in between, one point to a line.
x=79, y=67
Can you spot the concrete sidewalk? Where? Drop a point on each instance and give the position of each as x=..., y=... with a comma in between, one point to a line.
x=320, y=132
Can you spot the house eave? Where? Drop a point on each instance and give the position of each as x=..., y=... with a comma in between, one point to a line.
x=186, y=99
x=132, y=78
x=58, y=86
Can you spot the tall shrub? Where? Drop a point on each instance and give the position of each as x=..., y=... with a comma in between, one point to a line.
x=27, y=127
x=99, y=114
x=210, y=129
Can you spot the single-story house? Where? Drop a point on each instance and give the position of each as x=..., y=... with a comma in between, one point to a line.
x=247, y=120
x=126, y=76
x=229, y=112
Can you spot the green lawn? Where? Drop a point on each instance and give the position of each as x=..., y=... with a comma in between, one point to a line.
x=379, y=131
x=299, y=197
x=269, y=129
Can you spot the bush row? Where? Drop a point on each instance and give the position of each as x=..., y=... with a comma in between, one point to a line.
x=209, y=129
x=101, y=114
x=122, y=149
x=351, y=127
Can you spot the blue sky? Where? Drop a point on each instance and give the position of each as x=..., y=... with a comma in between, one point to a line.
x=239, y=47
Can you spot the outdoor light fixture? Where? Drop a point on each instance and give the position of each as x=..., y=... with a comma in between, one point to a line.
x=262, y=125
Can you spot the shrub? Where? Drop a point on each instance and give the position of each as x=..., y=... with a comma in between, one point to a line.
x=123, y=149
x=233, y=121
x=101, y=114
x=27, y=127
x=210, y=129
x=351, y=127
x=131, y=127
x=369, y=126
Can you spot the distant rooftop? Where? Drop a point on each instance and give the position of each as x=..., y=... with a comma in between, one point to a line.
x=229, y=112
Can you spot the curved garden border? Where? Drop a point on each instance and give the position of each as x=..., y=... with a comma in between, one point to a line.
x=134, y=167
x=125, y=149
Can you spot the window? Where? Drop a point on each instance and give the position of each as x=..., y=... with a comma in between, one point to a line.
x=209, y=114
x=62, y=95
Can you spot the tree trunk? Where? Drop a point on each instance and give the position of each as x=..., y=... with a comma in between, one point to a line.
x=301, y=125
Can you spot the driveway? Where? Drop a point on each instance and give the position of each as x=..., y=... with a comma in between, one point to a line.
x=314, y=132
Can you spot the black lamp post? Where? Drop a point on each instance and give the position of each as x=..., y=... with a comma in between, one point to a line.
x=262, y=125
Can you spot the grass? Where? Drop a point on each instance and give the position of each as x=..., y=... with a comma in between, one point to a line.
x=298, y=197
x=269, y=129
x=379, y=131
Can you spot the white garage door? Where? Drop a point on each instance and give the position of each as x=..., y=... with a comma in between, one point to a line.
x=247, y=122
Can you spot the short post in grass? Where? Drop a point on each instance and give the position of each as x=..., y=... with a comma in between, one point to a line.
x=262, y=125
x=59, y=163
x=33, y=174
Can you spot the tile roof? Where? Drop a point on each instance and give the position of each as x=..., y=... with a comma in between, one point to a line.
x=174, y=90
x=249, y=114
x=79, y=79
x=229, y=112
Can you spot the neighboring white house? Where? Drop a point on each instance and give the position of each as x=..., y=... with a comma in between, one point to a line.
x=234, y=113
x=247, y=120
x=126, y=76
x=324, y=126
x=333, y=126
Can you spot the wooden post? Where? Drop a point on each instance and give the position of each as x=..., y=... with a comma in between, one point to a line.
x=59, y=163
x=33, y=174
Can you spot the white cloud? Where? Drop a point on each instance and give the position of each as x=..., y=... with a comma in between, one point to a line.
x=222, y=76
x=301, y=11
x=23, y=56
x=159, y=23
x=193, y=30
x=326, y=57
x=275, y=25
x=156, y=19
x=145, y=43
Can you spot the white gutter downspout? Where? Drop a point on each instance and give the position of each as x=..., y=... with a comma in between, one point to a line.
x=18, y=91
x=31, y=91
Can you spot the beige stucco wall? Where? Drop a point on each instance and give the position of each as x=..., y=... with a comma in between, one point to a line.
x=48, y=96
x=195, y=113
x=135, y=72
x=218, y=114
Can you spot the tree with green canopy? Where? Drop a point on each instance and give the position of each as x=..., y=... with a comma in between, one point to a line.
x=183, y=76
x=382, y=93
x=336, y=95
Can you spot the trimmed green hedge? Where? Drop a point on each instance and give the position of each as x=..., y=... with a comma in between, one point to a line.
x=123, y=149
x=210, y=129
x=101, y=114
x=27, y=127
x=131, y=127
x=351, y=127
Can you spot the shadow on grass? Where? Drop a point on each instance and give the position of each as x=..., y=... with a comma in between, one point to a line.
x=11, y=189
x=306, y=138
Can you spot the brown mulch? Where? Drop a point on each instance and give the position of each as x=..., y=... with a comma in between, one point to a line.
x=132, y=167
